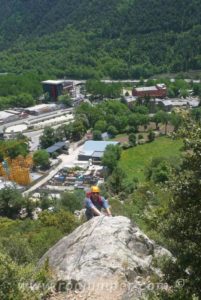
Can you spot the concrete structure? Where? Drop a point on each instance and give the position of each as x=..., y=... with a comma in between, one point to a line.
x=94, y=150
x=41, y=109
x=130, y=100
x=14, y=112
x=126, y=92
x=16, y=128
x=159, y=91
x=52, y=122
x=6, y=117
x=165, y=105
x=169, y=104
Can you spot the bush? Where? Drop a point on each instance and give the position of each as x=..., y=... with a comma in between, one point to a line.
x=132, y=139
x=8, y=279
x=125, y=146
x=72, y=201
x=17, y=248
x=141, y=142
x=151, y=136
x=11, y=202
x=41, y=159
x=62, y=220
x=97, y=135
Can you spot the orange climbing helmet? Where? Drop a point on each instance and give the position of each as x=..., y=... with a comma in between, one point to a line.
x=95, y=189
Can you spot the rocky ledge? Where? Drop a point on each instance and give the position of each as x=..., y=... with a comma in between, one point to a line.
x=105, y=254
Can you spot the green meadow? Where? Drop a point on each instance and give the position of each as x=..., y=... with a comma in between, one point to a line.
x=136, y=159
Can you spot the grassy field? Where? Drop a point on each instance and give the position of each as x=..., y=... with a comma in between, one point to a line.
x=135, y=160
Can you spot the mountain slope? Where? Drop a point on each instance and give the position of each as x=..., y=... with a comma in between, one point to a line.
x=119, y=38
x=128, y=16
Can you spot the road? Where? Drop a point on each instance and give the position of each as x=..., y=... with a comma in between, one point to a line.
x=65, y=159
x=34, y=137
x=129, y=81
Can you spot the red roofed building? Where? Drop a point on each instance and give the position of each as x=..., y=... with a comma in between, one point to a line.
x=157, y=91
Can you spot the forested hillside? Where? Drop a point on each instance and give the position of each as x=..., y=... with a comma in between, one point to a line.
x=86, y=39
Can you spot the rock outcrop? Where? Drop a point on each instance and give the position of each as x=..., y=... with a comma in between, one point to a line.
x=104, y=253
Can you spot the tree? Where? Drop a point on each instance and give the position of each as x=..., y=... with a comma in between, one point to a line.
x=22, y=100
x=184, y=93
x=157, y=119
x=112, y=130
x=116, y=180
x=11, y=202
x=131, y=129
x=159, y=170
x=92, y=113
x=176, y=120
x=67, y=131
x=133, y=120
x=97, y=135
x=151, y=136
x=71, y=201
x=161, y=117
x=132, y=139
x=65, y=100
x=9, y=279
x=100, y=89
x=197, y=89
x=181, y=221
x=164, y=119
x=48, y=138
x=111, y=156
x=18, y=148
x=78, y=130
x=196, y=114
x=171, y=93
x=100, y=125
x=141, y=109
x=120, y=122
x=144, y=120
x=41, y=159
x=59, y=133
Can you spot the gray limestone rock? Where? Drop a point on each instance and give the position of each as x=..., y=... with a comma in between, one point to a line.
x=101, y=249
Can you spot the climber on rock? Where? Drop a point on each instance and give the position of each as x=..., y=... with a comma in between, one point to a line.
x=94, y=204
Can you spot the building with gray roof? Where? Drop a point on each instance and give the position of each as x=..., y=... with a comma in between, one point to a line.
x=94, y=150
x=58, y=147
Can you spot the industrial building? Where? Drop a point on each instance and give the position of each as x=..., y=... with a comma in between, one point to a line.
x=55, y=88
x=94, y=150
x=159, y=91
x=170, y=104
x=41, y=109
x=53, y=121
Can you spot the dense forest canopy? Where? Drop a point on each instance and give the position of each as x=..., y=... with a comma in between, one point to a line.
x=107, y=18
x=95, y=39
